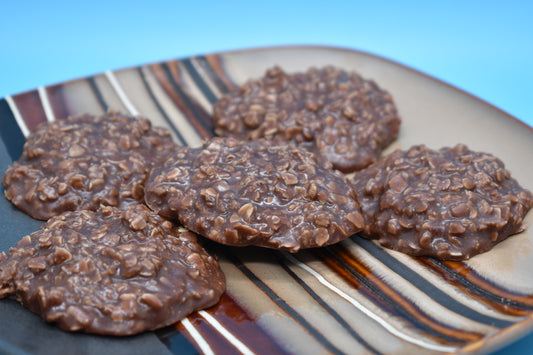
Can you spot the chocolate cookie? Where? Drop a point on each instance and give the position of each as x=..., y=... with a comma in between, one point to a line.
x=255, y=193
x=333, y=113
x=451, y=204
x=111, y=272
x=85, y=161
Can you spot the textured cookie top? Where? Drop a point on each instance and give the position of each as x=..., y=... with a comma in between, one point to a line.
x=85, y=161
x=452, y=203
x=111, y=272
x=333, y=113
x=255, y=193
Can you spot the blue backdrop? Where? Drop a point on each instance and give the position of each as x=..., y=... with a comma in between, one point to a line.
x=483, y=47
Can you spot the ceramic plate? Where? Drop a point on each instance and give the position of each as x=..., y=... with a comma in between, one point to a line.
x=351, y=298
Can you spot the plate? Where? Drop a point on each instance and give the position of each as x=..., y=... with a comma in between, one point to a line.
x=354, y=297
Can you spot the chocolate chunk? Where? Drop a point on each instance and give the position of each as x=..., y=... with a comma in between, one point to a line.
x=85, y=161
x=255, y=193
x=451, y=204
x=333, y=113
x=111, y=272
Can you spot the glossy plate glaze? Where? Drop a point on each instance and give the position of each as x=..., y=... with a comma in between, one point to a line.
x=350, y=298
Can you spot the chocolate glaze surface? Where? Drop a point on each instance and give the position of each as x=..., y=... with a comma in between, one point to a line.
x=255, y=193
x=85, y=161
x=452, y=203
x=334, y=113
x=111, y=271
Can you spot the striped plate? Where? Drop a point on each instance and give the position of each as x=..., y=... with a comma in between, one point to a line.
x=350, y=298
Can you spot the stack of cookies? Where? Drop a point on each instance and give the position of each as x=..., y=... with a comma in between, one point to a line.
x=298, y=164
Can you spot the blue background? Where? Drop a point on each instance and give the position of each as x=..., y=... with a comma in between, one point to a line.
x=482, y=47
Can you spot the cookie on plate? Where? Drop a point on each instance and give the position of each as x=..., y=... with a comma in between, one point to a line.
x=334, y=113
x=111, y=272
x=85, y=161
x=255, y=193
x=451, y=203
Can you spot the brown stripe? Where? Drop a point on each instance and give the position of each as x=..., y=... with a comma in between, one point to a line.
x=217, y=67
x=498, y=338
x=31, y=108
x=218, y=343
x=433, y=291
x=199, y=112
x=411, y=309
x=240, y=323
x=327, y=307
x=478, y=285
x=237, y=321
x=312, y=329
x=163, y=80
x=471, y=275
x=57, y=101
x=151, y=96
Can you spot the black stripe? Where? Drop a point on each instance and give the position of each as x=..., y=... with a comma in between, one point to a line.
x=98, y=94
x=427, y=287
x=10, y=131
x=282, y=304
x=327, y=307
x=176, y=342
x=202, y=85
x=218, y=82
x=397, y=309
x=203, y=117
x=160, y=108
x=478, y=290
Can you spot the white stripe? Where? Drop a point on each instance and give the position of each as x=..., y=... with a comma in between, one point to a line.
x=18, y=117
x=367, y=312
x=198, y=338
x=230, y=337
x=43, y=95
x=121, y=93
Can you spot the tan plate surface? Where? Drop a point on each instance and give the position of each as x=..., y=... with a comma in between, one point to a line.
x=354, y=297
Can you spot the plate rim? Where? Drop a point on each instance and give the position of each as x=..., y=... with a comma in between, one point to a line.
x=491, y=342
x=326, y=47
